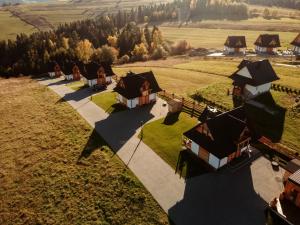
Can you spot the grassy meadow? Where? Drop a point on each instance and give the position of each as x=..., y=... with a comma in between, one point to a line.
x=11, y=26
x=215, y=38
x=54, y=169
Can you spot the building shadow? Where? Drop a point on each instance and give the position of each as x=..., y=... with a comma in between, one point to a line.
x=118, y=128
x=265, y=117
x=220, y=197
x=94, y=142
x=116, y=108
x=171, y=118
x=78, y=95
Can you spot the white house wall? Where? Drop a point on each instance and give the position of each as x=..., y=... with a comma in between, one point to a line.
x=195, y=148
x=152, y=97
x=260, y=49
x=69, y=77
x=51, y=74
x=93, y=82
x=214, y=161
x=108, y=79
x=259, y=89
x=228, y=50
x=223, y=161
x=296, y=49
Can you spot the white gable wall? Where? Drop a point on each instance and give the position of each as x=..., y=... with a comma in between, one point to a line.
x=152, y=97
x=214, y=161
x=132, y=103
x=223, y=161
x=195, y=148
x=244, y=72
x=259, y=89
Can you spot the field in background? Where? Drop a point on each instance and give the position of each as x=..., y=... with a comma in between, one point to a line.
x=55, y=169
x=11, y=26
x=215, y=38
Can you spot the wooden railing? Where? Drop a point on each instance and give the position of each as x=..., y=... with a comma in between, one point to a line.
x=191, y=107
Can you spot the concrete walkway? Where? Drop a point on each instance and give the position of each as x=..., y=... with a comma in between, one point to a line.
x=120, y=131
x=224, y=197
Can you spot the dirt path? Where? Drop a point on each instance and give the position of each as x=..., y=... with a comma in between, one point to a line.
x=38, y=22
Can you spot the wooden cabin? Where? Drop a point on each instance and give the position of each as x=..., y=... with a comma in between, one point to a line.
x=220, y=139
x=253, y=78
x=71, y=71
x=96, y=74
x=137, y=89
x=54, y=70
x=292, y=184
x=267, y=44
x=235, y=45
x=296, y=45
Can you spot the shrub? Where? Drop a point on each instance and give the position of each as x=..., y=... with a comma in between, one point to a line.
x=140, y=52
x=159, y=53
x=124, y=59
x=181, y=47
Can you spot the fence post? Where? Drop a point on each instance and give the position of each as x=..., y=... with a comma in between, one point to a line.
x=173, y=96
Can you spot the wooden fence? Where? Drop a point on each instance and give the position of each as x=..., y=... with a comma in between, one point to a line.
x=193, y=108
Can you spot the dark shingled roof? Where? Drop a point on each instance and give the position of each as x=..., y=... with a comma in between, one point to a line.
x=293, y=165
x=296, y=41
x=225, y=130
x=89, y=71
x=295, y=177
x=68, y=67
x=261, y=72
x=243, y=63
x=51, y=66
x=268, y=41
x=236, y=42
x=108, y=69
x=133, y=82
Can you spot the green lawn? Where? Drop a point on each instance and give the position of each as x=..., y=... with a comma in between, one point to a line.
x=166, y=141
x=215, y=38
x=76, y=85
x=181, y=82
x=107, y=101
x=55, y=169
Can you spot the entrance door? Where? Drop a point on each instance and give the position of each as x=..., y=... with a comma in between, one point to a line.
x=144, y=100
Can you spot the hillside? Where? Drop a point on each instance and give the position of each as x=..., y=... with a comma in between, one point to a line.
x=54, y=169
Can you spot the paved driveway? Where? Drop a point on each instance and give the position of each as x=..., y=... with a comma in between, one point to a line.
x=233, y=198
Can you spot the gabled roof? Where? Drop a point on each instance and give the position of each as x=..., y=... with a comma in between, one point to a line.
x=89, y=71
x=296, y=41
x=236, y=42
x=132, y=84
x=225, y=129
x=68, y=67
x=261, y=72
x=293, y=165
x=107, y=68
x=51, y=65
x=268, y=41
x=295, y=177
x=243, y=63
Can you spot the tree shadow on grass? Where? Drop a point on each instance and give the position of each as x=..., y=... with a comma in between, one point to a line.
x=171, y=118
x=95, y=142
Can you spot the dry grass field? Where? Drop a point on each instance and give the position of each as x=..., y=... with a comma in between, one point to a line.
x=11, y=26
x=54, y=169
x=215, y=38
